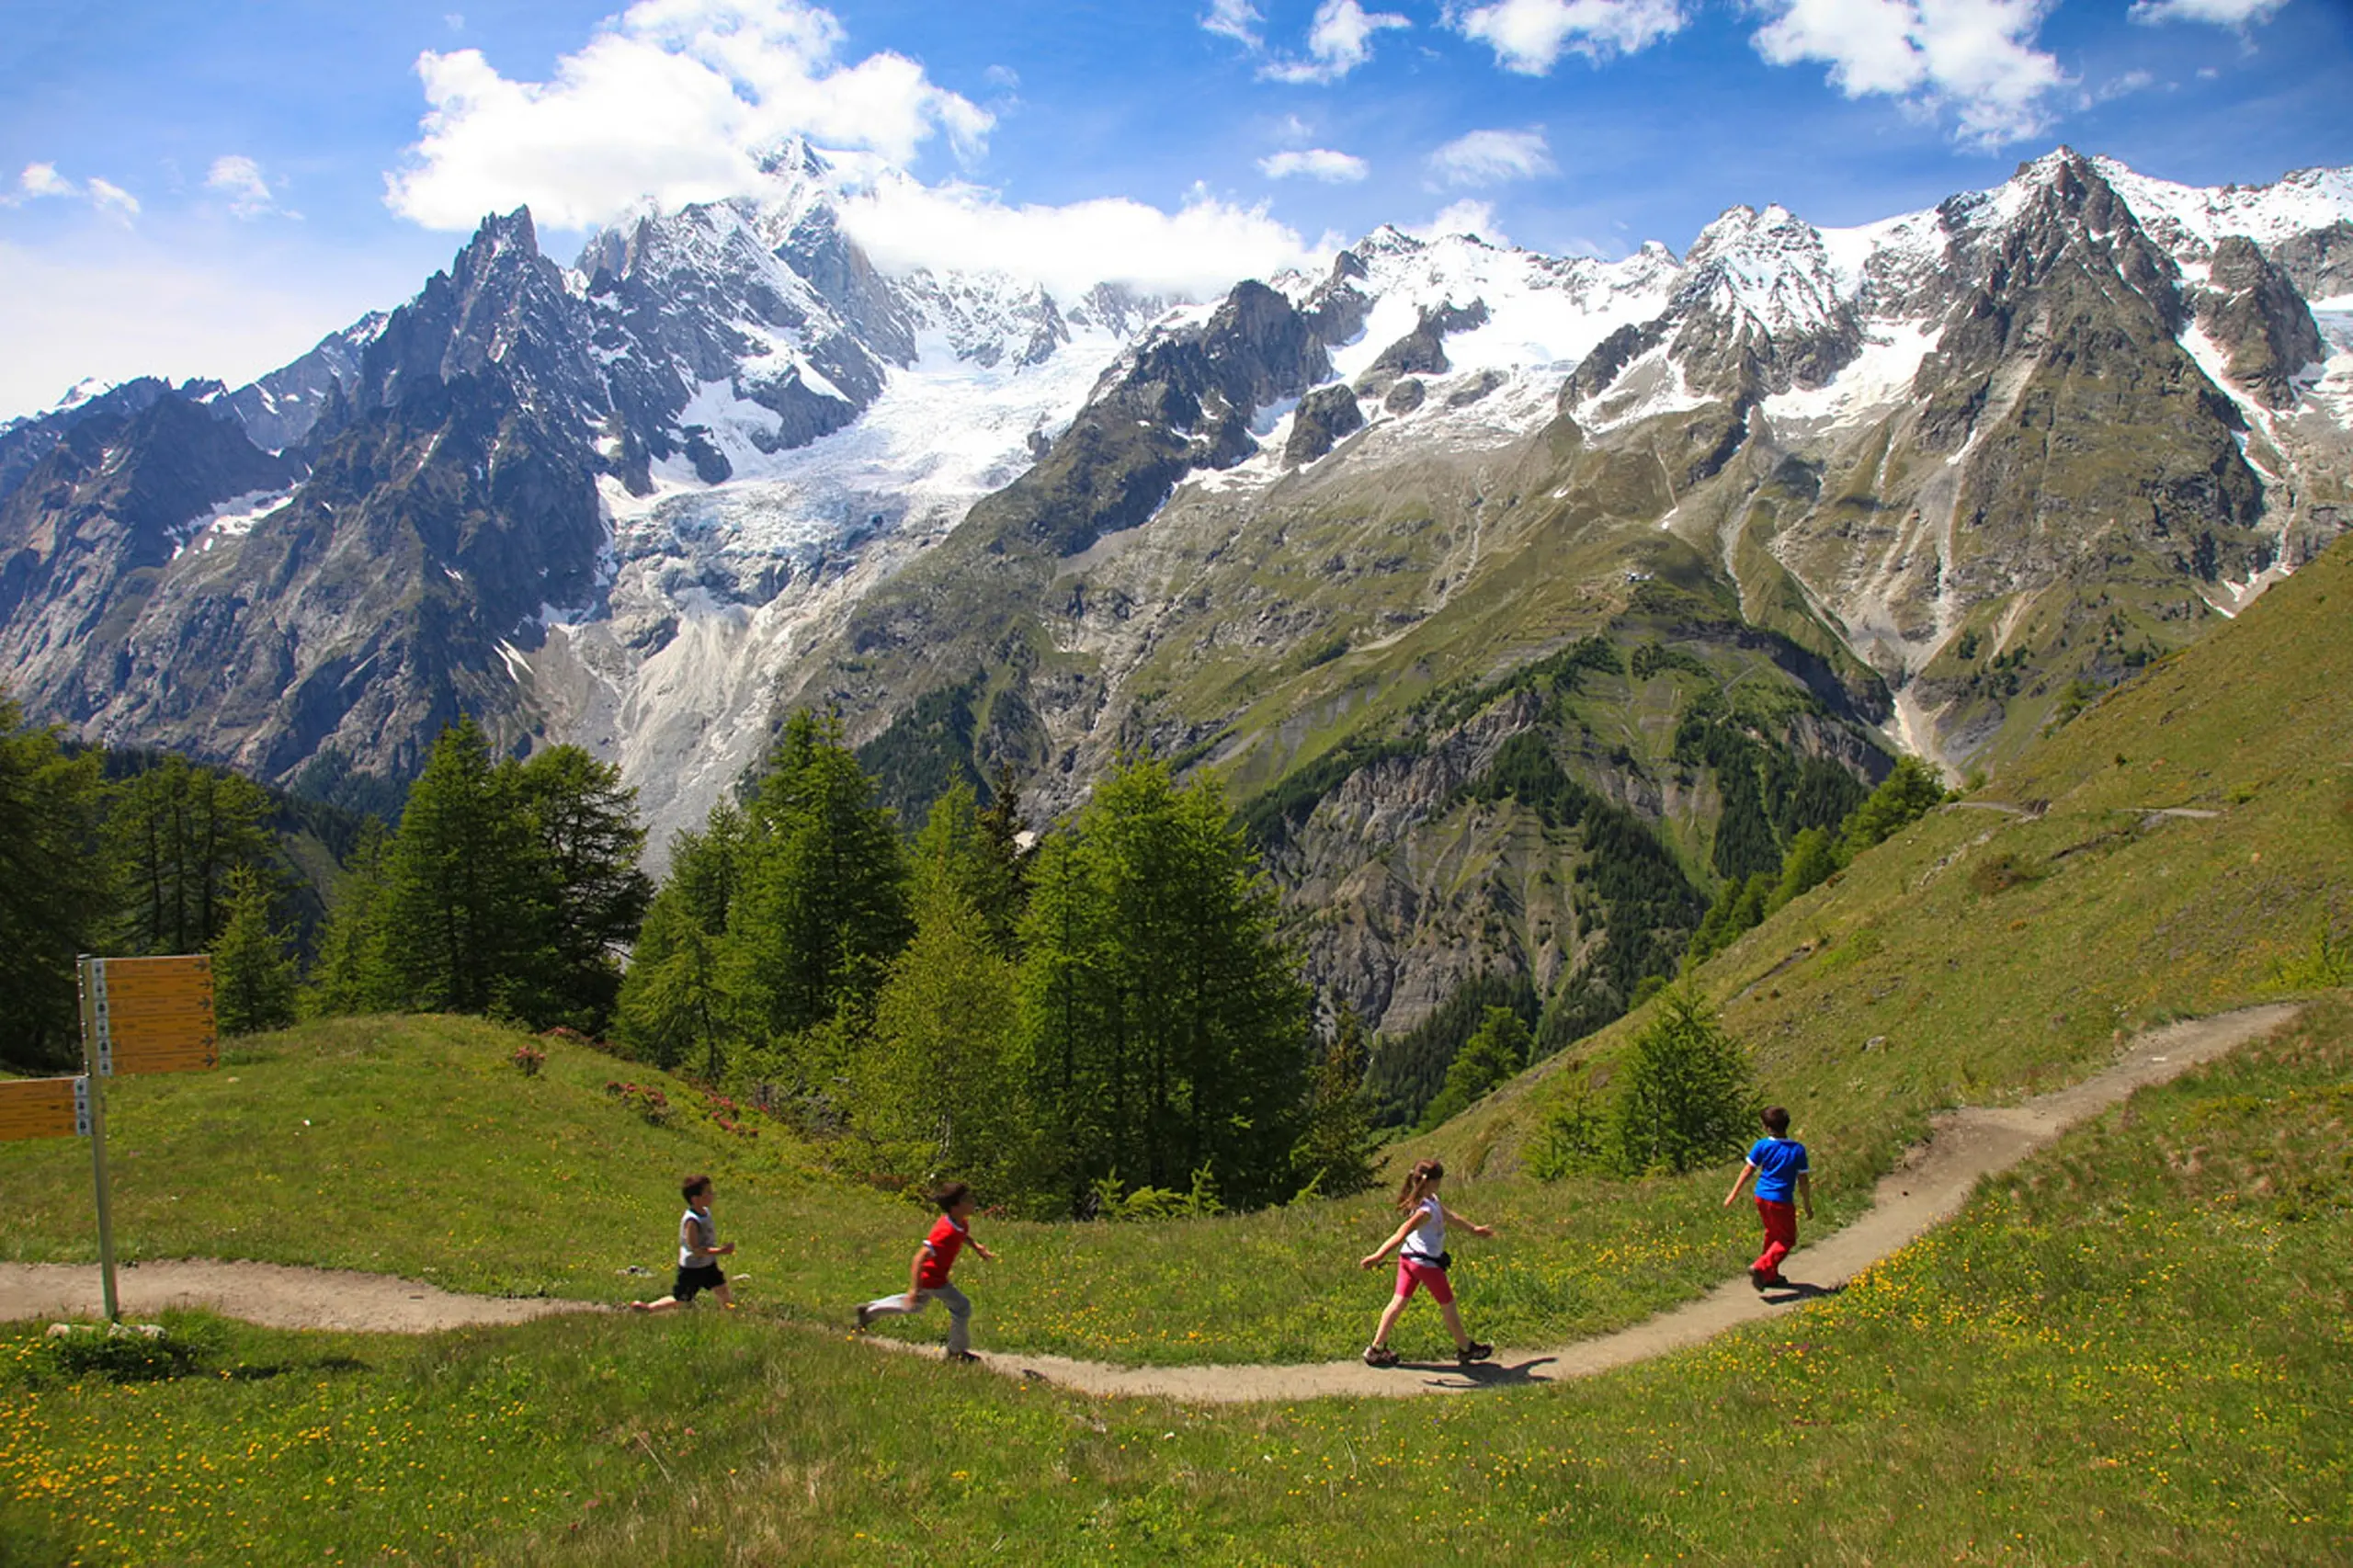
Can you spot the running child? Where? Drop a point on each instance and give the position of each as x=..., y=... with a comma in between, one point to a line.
x=1422, y=1260
x=699, y=1249
x=927, y=1276
x=1777, y=1162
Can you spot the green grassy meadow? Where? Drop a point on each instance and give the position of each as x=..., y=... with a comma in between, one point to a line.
x=2133, y=1350
x=415, y=1146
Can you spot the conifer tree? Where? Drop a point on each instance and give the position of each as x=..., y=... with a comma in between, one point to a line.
x=823, y=908
x=587, y=840
x=1336, y=1155
x=1495, y=1051
x=1003, y=887
x=350, y=976
x=463, y=921
x=1909, y=793
x=253, y=977
x=54, y=891
x=1072, y=1044
x=178, y=833
x=1166, y=1026
x=1686, y=1097
x=673, y=1007
x=935, y=1088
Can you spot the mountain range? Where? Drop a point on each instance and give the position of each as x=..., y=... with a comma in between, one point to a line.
x=1520, y=600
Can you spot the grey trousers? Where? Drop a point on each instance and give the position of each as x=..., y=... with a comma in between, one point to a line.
x=960, y=1312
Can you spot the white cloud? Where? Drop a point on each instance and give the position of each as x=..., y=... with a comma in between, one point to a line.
x=1475, y=218
x=1338, y=42
x=1973, y=58
x=676, y=101
x=2122, y=86
x=113, y=201
x=1529, y=36
x=2222, y=12
x=1315, y=162
x=1493, y=157
x=1236, y=19
x=240, y=179
x=1200, y=248
x=39, y=180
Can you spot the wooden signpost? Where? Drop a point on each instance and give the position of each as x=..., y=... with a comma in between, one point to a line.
x=138, y=1015
x=44, y=1108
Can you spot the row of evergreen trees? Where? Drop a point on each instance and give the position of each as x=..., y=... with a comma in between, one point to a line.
x=512, y=888
x=1111, y=1009
x=163, y=857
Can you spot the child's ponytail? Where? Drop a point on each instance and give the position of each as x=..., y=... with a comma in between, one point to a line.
x=1424, y=1176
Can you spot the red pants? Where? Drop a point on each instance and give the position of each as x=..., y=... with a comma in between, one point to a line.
x=1780, y=1236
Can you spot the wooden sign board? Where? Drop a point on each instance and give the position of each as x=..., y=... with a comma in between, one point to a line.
x=155, y=1015
x=44, y=1108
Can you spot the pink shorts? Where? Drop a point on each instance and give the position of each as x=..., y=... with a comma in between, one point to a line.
x=1410, y=1274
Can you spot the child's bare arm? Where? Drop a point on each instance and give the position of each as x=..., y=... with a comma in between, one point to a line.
x=914, y=1273
x=1806, y=1190
x=1372, y=1259
x=1468, y=1223
x=1747, y=1170
x=986, y=1255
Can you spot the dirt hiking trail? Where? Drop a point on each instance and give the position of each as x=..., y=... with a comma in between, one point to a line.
x=1935, y=1179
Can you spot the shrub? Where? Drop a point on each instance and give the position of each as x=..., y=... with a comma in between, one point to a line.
x=2328, y=963
x=530, y=1058
x=1686, y=1101
x=650, y=1103
x=1573, y=1139
x=1157, y=1202
x=2000, y=873
x=1910, y=791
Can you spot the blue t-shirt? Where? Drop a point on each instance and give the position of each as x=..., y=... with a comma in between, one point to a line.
x=1779, y=1162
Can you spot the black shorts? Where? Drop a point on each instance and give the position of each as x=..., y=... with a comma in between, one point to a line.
x=690, y=1280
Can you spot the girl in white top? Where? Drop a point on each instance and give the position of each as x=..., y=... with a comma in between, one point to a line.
x=1422, y=1259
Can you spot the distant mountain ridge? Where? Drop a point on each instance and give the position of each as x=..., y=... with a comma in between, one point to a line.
x=1952, y=472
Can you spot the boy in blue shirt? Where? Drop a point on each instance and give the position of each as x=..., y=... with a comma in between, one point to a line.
x=1777, y=1162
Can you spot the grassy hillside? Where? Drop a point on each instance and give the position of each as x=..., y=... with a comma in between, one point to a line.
x=2183, y=847
x=2134, y=1350
x=415, y=1146
x=1982, y=955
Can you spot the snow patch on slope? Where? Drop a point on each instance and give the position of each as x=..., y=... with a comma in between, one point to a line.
x=1878, y=377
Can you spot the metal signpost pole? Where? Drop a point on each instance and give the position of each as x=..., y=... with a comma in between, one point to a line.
x=96, y=1062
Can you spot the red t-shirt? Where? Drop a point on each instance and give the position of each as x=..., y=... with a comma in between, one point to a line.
x=947, y=1238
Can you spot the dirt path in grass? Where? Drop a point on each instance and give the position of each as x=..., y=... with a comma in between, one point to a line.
x=270, y=1294
x=1932, y=1184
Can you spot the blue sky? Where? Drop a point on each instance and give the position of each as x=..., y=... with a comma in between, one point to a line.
x=207, y=189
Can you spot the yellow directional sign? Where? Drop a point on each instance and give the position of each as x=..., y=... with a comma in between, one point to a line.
x=43, y=1108
x=155, y=1015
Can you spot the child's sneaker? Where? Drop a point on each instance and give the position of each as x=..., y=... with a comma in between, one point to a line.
x=1758, y=1279
x=1379, y=1356
x=865, y=1316
x=964, y=1355
x=1474, y=1351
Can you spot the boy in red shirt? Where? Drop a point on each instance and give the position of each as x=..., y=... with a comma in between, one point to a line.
x=928, y=1276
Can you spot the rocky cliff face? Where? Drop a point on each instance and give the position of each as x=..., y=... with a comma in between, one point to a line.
x=1480, y=576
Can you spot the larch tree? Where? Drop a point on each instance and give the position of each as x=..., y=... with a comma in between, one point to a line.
x=54, y=891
